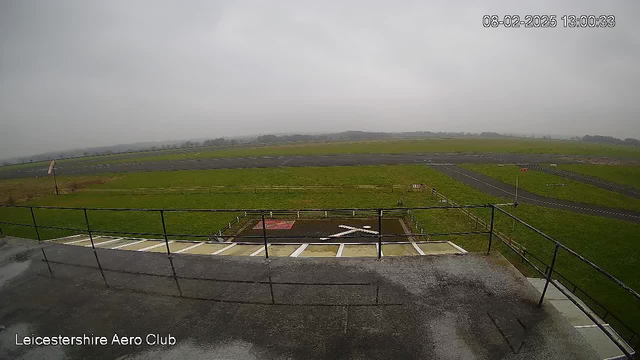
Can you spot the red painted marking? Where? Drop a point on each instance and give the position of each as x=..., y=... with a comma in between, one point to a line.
x=275, y=224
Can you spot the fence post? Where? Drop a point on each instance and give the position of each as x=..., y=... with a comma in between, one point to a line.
x=93, y=246
x=264, y=235
x=35, y=225
x=493, y=213
x=164, y=231
x=379, y=233
x=86, y=220
x=549, y=274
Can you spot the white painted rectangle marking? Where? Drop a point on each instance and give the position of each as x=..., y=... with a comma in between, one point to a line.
x=105, y=242
x=415, y=246
x=259, y=250
x=224, y=249
x=75, y=241
x=125, y=245
x=154, y=246
x=340, y=250
x=457, y=247
x=64, y=238
x=299, y=250
x=188, y=248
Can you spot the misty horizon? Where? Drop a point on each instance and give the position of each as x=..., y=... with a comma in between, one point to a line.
x=79, y=74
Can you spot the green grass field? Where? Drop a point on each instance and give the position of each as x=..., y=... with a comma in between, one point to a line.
x=520, y=146
x=444, y=145
x=612, y=244
x=537, y=182
x=621, y=174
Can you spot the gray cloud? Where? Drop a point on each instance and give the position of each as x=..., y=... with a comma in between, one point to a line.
x=83, y=73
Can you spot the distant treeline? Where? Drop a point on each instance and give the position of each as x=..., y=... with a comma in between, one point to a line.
x=213, y=142
x=274, y=139
x=365, y=135
x=610, y=140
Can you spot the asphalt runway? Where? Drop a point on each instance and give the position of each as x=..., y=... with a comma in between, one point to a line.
x=83, y=168
x=497, y=188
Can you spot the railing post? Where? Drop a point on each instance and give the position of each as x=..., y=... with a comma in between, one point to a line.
x=379, y=233
x=35, y=224
x=493, y=214
x=93, y=246
x=264, y=236
x=44, y=255
x=549, y=274
x=164, y=232
x=86, y=220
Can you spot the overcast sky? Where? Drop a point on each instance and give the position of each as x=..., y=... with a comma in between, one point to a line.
x=90, y=73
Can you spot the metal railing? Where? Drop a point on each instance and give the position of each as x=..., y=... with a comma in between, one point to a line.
x=262, y=213
x=550, y=269
x=378, y=213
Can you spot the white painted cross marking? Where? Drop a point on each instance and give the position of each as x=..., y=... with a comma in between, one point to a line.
x=350, y=230
x=358, y=229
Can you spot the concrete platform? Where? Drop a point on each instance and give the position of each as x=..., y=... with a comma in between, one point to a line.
x=243, y=307
x=599, y=341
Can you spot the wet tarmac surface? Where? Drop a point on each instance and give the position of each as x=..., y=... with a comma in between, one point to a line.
x=438, y=307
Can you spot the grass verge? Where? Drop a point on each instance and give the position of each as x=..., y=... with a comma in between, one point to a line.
x=621, y=174
x=557, y=187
